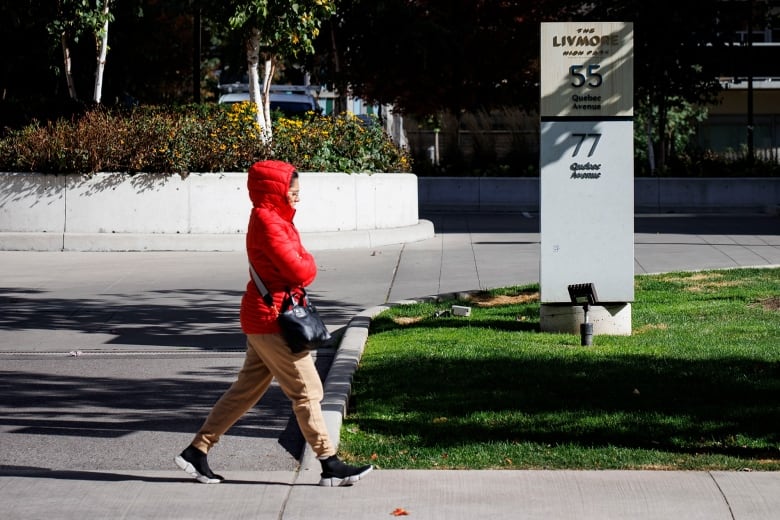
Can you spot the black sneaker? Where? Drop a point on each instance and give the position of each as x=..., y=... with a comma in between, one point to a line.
x=194, y=463
x=335, y=473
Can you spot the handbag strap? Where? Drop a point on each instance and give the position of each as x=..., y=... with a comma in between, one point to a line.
x=261, y=286
x=263, y=290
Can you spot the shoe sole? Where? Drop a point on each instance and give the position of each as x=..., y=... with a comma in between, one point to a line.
x=348, y=481
x=190, y=470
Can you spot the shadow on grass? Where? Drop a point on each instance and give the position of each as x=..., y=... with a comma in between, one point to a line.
x=720, y=406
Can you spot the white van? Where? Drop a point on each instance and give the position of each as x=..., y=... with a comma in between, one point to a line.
x=291, y=101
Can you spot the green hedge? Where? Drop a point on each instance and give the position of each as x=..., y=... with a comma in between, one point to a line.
x=197, y=138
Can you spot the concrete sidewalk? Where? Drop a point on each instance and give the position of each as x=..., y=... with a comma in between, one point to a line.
x=110, y=361
x=446, y=495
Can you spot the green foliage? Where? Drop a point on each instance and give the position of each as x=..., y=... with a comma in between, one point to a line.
x=682, y=120
x=343, y=143
x=286, y=28
x=696, y=386
x=684, y=157
x=74, y=17
x=196, y=138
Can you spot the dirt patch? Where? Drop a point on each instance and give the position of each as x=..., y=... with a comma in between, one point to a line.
x=402, y=320
x=650, y=327
x=478, y=299
x=657, y=467
x=702, y=282
x=489, y=300
x=770, y=304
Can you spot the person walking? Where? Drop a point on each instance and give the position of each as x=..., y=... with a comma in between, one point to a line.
x=275, y=251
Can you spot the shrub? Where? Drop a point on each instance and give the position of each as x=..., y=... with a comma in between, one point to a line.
x=197, y=138
x=222, y=138
x=343, y=143
x=697, y=162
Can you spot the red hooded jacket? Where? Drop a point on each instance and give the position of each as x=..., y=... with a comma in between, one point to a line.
x=273, y=246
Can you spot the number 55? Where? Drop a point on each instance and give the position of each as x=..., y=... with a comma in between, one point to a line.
x=580, y=79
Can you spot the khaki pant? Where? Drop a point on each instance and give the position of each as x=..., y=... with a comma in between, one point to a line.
x=267, y=356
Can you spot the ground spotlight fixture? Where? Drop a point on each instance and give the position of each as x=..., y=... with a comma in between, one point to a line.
x=584, y=294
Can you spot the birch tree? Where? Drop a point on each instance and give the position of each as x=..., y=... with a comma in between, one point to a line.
x=101, y=37
x=74, y=19
x=275, y=29
x=66, y=29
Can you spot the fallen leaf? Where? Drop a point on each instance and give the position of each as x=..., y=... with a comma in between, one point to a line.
x=400, y=511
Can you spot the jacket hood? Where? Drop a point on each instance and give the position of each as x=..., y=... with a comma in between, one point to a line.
x=269, y=182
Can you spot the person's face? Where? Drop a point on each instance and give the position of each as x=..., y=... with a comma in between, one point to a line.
x=294, y=193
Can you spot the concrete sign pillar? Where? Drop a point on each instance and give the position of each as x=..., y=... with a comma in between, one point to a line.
x=587, y=174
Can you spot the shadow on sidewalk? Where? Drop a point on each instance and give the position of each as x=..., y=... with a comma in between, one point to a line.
x=104, y=476
x=188, y=318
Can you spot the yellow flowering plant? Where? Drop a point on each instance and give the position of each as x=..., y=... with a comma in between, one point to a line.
x=342, y=143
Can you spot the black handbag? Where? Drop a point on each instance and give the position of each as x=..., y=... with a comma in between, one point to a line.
x=301, y=325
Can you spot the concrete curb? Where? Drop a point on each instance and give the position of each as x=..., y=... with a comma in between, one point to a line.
x=338, y=383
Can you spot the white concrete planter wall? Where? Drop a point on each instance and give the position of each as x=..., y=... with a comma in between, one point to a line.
x=144, y=211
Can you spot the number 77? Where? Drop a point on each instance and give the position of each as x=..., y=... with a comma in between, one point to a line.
x=596, y=138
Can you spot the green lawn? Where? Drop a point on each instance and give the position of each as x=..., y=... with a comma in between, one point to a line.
x=696, y=386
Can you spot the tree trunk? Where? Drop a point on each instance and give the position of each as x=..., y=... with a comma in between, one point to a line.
x=651, y=146
x=340, y=104
x=67, y=67
x=650, y=151
x=255, y=94
x=662, y=137
x=268, y=76
x=196, y=46
x=102, y=51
